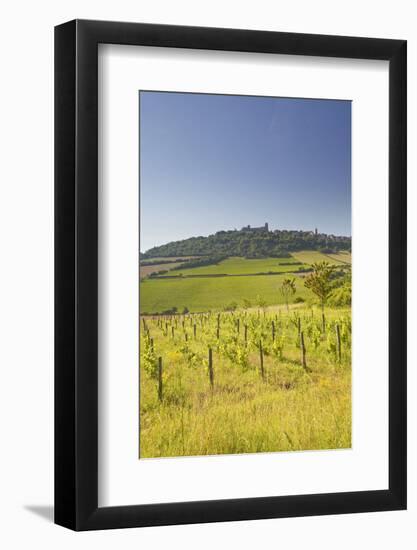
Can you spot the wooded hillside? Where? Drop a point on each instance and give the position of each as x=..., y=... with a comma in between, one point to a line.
x=250, y=244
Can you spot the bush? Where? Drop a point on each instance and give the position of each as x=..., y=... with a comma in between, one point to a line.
x=299, y=300
x=172, y=311
x=341, y=296
x=246, y=303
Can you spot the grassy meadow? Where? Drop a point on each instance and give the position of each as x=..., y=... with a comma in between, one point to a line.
x=255, y=377
x=244, y=266
x=312, y=256
x=212, y=293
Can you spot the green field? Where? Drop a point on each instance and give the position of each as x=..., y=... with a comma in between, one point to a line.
x=257, y=396
x=312, y=256
x=215, y=293
x=212, y=293
x=343, y=257
x=243, y=266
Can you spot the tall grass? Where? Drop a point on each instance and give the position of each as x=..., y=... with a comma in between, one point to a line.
x=291, y=409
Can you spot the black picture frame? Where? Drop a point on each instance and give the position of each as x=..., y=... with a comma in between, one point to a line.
x=76, y=272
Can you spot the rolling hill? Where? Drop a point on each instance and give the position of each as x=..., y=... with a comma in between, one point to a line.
x=251, y=243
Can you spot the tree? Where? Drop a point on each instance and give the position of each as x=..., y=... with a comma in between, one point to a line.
x=341, y=295
x=287, y=289
x=261, y=302
x=319, y=282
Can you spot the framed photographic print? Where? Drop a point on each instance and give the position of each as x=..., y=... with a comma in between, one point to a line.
x=230, y=252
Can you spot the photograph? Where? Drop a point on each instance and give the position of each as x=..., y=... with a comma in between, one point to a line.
x=245, y=274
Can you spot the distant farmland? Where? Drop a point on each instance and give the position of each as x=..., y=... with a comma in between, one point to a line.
x=211, y=293
x=243, y=266
x=164, y=259
x=155, y=267
x=311, y=256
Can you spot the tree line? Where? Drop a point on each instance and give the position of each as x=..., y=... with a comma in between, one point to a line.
x=276, y=244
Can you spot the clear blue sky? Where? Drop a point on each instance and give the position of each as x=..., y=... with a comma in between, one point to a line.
x=213, y=162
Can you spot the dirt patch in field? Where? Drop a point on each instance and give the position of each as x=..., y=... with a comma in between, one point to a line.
x=146, y=270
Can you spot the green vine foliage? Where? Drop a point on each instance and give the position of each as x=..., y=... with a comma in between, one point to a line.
x=277, y=348
x=150, y=362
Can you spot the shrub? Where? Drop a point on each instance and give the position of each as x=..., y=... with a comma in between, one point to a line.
x=171, y=311
x=341, y=296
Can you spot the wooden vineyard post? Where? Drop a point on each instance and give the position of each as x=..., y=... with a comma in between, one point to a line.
x=303, y=351
x=323, y=322
x=152, y=344
x=210, y=367
x=186, y=337
x=339, y=344
x=166, y=329
x=195, y=331
x=273, y=331
x=172, y=332
x=238, y=325
x=160, y=388
x=261, y=357
x=246, y=333
x=299, y=327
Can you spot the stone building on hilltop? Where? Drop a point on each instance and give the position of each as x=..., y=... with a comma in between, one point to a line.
x=263, y=228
